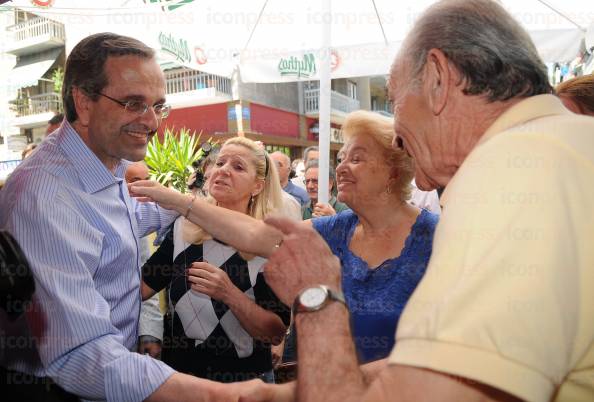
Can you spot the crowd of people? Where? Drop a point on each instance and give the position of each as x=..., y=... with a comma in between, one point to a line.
x=386, y=292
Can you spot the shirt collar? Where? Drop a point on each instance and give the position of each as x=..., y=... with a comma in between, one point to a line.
x=93, y=174
x=522, y=112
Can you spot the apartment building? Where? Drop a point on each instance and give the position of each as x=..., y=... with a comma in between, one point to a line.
x=284, y=116
x=37, y=46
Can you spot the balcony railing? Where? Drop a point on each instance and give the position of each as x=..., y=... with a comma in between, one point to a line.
x=338, y=101
x=186, y=80
x=37, y=27
x=38, y=104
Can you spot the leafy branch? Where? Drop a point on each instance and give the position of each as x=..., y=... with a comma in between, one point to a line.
x=170, y=162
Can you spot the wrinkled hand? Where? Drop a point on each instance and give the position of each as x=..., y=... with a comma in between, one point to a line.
x=152, y=348
x=212, y=281
x=149, y=190
x=321, y=209
x=258, y=391
x=302, y=260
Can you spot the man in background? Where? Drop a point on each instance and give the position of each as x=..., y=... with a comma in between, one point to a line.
x=315, y=209
x=283, y=164
x=54, y=123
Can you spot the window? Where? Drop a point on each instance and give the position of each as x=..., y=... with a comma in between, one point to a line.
x=274, y=148
x=29, y=135
x=351, y=89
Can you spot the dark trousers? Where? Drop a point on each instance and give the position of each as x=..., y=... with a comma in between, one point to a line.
x=20, y=387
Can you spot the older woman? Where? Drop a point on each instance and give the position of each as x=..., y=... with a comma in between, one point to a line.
x=383, y=242
x=224, y=317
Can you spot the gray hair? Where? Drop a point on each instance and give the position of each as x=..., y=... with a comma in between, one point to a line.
x=494, y=54
x=286, y=157
x=306, y=151
x=315, y=164
x=85, y=66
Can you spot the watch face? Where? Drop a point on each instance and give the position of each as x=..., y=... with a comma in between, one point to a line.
x=312, y=297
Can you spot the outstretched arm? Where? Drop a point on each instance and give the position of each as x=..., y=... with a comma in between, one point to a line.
x=239, y=230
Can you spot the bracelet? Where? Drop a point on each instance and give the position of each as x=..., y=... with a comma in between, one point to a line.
x=190, y=205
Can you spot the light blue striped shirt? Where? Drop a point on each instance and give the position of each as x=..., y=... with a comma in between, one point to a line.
x=79, y=229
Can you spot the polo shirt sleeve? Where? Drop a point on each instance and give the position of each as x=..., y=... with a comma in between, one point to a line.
x=507, y=296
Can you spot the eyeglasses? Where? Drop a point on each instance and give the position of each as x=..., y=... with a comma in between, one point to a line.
x=161, y=110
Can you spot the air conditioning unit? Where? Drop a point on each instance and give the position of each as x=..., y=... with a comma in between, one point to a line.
x=336, y=135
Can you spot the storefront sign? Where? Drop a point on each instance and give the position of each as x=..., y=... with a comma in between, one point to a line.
x=177, y=47
x=303, y=68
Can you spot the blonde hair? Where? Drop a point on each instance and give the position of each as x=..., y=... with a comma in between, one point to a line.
x=267, y=201
x=581, y=91
x=381, y=129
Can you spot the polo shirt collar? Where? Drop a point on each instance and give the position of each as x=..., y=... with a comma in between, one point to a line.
x=522, y=112
x=93, y=174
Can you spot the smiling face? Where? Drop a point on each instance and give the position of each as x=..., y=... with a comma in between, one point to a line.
x=232, y=180
x=115, y=133
x=361, y=174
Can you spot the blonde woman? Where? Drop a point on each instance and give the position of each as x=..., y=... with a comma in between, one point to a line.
x=223, y=316
x=383, y=243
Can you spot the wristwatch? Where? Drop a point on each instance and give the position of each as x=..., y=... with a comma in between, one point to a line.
x=316, y=298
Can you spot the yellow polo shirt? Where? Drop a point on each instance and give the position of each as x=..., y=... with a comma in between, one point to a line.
x=508, y=297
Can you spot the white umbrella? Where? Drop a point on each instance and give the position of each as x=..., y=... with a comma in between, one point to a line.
x=281, y=41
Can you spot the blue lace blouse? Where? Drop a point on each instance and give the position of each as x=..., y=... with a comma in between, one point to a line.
x=376, y=297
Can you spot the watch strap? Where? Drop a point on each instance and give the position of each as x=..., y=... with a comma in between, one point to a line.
x=331, y=295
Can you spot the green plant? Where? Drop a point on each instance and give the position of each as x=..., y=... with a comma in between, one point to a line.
x=58, y=79
x=170, y=162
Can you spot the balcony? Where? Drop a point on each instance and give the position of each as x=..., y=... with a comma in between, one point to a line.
x=35, y=35
x=35, y=110
x=339, y=103
x=186, y=87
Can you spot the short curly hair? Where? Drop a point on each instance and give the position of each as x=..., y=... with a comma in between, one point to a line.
x=381, y=129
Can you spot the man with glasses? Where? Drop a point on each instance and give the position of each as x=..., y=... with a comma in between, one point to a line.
x=69, y=208
x=315, y=209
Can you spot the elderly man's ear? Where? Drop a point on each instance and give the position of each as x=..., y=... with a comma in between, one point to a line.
x=437, y=80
